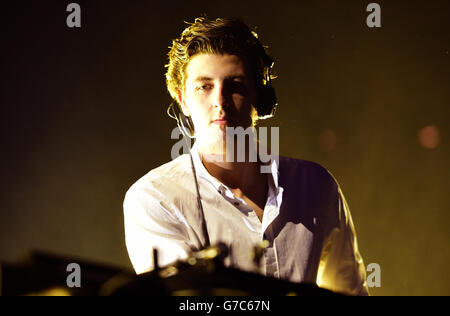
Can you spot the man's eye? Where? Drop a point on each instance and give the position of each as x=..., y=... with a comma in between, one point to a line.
x=204, y=87
x=238, y=87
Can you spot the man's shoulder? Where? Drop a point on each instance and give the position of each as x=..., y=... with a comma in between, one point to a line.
x=310, y=171
x=301, y=163
x=166, y=175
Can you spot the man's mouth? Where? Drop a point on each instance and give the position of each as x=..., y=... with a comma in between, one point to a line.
x=222, y=121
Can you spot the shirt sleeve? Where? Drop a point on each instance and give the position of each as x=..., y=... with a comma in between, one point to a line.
x=341, y=267
x=148, y=226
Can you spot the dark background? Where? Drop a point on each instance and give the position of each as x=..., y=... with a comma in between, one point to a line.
x=83, y=116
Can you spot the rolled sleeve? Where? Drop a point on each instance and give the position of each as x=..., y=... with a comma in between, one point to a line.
x=341, y=267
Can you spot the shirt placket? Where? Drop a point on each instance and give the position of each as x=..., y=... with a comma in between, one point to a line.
x=264, y=230
x=252, y=220
x=270, y=258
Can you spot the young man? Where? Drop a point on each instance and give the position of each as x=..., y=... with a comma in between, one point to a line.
x=219, y=74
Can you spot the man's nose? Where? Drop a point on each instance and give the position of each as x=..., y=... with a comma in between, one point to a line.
x=219, y=97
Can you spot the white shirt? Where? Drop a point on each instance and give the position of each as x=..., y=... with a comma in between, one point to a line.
x=306, y=221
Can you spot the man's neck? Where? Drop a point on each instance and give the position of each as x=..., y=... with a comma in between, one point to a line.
x=237, y=168
x=244, y=179
x=235, y=175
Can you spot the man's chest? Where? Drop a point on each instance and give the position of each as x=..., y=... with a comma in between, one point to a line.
x=256, y=202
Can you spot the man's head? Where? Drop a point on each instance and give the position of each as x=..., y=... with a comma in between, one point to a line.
x=219, y=69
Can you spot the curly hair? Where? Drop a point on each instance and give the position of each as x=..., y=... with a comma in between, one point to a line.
x=223, y=35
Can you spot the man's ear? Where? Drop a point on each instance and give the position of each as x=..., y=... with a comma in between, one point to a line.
x=180, y=98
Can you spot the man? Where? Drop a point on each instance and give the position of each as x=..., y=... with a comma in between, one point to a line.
x=219, y=74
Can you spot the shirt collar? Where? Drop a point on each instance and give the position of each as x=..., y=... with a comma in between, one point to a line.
x=274, y=193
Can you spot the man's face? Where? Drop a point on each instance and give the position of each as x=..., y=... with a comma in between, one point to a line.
x=219, y=92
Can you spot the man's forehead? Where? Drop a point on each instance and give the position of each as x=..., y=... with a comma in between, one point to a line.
x=207, y=67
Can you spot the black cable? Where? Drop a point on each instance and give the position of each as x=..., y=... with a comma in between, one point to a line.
x=199, y=199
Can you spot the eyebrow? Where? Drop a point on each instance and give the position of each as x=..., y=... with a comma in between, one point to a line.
x=205, y=78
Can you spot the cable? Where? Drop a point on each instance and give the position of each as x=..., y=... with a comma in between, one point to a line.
x=183, y=130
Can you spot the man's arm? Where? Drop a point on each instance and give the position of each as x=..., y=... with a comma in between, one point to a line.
x=149, y=225
x=341, y=268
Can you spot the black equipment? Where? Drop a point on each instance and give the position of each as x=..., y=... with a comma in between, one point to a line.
x=202, y=274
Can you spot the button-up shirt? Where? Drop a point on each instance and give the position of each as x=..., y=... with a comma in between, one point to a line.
x=306, y=221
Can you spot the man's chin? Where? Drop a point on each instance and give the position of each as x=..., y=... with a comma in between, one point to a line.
x=213, y=145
